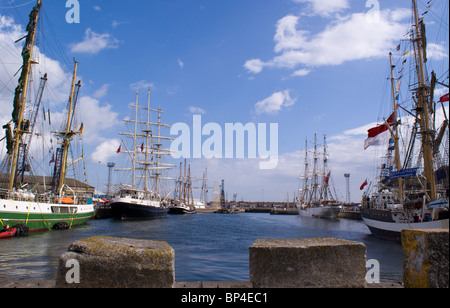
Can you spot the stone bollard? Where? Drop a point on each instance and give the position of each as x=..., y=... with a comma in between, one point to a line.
x=426, y=260
x=308, y=263
x=108, y=262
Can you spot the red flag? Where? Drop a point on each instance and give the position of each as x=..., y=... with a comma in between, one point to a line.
x=444, y=98
x=363, y=185
x=119, y=149
x=142, y=147
x=375, y=134
x=327, y=179
x=53, y=159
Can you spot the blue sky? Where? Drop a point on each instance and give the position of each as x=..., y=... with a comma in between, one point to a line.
x=312, y=66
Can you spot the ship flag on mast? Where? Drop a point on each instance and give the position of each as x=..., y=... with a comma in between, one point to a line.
x=379, y=135
x=444, y=98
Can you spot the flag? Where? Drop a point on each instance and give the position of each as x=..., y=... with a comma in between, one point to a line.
x=53, y=159
x=364, y=185
x=406, y=53
x=398, y=47
x=327, y=179
x=119, y=149
x=444, y=98
x=81, y=128
x=378, y=135
x=398, y=85
x=142, y=147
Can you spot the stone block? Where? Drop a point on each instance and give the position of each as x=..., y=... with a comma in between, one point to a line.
x=108, y=262
x=307, y=263
x=426, y=261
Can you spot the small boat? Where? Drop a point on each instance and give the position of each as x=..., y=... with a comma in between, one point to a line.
x=180, y=208
x=8, y=233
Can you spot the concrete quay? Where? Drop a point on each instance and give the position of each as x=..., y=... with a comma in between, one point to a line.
x=50, y=284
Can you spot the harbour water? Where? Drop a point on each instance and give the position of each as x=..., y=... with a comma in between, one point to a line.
x=208, y=247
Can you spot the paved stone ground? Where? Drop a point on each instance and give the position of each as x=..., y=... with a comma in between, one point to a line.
x=48, y=284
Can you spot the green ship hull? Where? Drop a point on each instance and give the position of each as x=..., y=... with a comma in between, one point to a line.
x=42, y=222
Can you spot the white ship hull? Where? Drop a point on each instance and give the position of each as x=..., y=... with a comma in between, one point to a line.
x=327, y=212
x=393, y=230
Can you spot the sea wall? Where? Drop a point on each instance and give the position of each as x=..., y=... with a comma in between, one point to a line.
x=426, y=261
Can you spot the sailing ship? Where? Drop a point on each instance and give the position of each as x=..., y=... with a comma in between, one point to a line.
x=131, y=201
x=25, y=209
x=316, y=198
x=413, y=193
x=184, y=199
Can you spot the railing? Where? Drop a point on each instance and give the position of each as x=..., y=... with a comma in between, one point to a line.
x=41, y=198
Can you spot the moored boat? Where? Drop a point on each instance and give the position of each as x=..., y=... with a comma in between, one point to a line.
x=7, y=232
x=316, y=197
x=321, y=211
x=146, y=154
x=19, y=206
x=412, y=191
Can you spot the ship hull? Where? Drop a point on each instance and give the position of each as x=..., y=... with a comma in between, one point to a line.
x=125, y=210
x=43, y=216
x=326, y=212
x=179, y=210
x=381, y=224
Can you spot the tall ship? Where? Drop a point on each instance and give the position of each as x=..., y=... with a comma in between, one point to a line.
x=183, y=203
x=143, y=197
x=316, y=196
x=413, y=185
x=22, y=205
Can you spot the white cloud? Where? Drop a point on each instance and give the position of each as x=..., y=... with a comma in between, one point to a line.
x=436, y=52
x=301, y=72
x=102, y=91
x=348, y=38
x=325, y=7
x=180, y=63
x=254, y=66
x=197, y=110
x=105, y=151
x=142, y=84
x=94, y=42
x=274, y=103
x=97, y=118
x=287, y=35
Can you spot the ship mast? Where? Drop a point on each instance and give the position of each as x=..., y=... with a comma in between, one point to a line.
x=395, y=134
x=148, y=148
x=68, y=134
x=422, y=106
x=22, y=88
